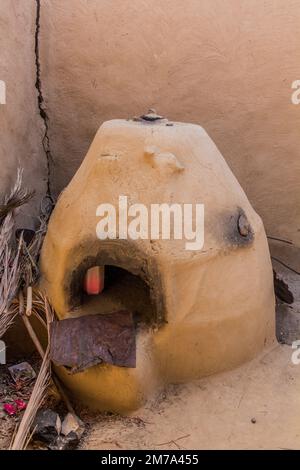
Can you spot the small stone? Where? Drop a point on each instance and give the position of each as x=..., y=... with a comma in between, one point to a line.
x=22, y=372
x=47, y=426
x=243, y=226
x=72, y=423
x=253, y=420
x=68, y=442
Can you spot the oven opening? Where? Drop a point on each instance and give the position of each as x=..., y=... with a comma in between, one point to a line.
x=107, y=289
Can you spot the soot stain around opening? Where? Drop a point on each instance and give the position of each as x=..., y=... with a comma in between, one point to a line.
x=130, y=288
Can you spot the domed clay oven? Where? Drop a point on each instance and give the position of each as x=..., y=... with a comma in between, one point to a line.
x=194, y=312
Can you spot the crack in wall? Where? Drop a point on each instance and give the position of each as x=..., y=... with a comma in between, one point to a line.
x=41, y=102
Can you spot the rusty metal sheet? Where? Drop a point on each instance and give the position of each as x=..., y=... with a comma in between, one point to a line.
x=79, y=343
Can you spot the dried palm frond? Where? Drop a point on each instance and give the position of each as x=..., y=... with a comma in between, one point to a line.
x=36, y=399
x=31, y=252
x=22, y=436
x=9, y=252
x=18, y=273
x=8, y=287
x=18, y=260
x=17, y=197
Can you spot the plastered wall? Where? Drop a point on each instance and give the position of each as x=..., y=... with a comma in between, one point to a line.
x=21, y=128
x=226, y=64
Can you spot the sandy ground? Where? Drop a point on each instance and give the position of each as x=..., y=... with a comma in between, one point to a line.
x=215, y=412
x=211, y=413
x=256, y=406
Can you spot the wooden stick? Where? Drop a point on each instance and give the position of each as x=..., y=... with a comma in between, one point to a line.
x=62, y=393
x=39, y=318
x=29, y=301
x=29, y=328
x=56, y=380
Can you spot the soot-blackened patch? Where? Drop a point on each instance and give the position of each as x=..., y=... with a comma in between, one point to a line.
x=237, y=230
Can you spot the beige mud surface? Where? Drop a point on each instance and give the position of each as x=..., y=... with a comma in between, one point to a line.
x=226, y=65
x=215, y=412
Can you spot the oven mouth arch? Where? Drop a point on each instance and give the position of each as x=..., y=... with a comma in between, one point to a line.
x=123, y=255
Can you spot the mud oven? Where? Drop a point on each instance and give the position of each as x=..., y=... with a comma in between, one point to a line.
x=164, y=314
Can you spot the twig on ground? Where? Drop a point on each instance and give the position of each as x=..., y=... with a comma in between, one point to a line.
x=173, y=441
x=285, y=265
x=282, y=240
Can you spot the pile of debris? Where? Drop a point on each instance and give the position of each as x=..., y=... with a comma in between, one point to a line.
x=19, y=273
x=14, y=396
x=48, y=429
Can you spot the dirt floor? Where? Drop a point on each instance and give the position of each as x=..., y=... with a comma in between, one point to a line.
x=9, y=392
x=216, y=412
x=256, y=406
